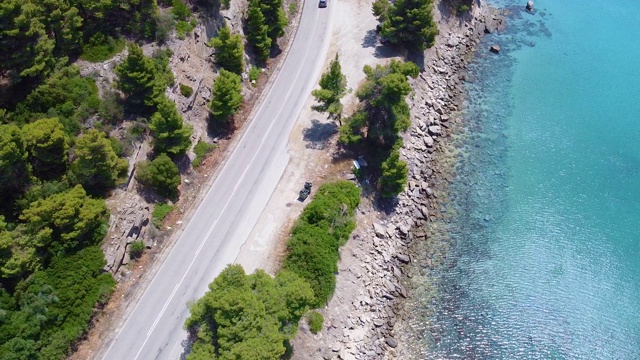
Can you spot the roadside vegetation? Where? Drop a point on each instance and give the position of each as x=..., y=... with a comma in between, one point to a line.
x=59, y=160
x=375, y=126
x=408, y=23
x=201, y=150
x=253, y=316
x=160, y=211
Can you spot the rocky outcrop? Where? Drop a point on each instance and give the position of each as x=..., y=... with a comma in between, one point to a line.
x=128, y=223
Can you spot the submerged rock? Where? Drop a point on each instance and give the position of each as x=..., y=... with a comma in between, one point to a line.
x=529, y=6
x=495, y=49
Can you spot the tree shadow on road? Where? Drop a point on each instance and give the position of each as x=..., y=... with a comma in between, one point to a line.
x=370, y=39
x=317, y=136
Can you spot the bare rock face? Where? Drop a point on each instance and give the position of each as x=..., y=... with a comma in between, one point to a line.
x=128, y=223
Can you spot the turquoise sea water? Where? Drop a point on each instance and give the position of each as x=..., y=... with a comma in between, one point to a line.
x=547, y=198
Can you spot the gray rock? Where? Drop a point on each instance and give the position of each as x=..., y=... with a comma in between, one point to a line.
x=495, y=49
x=401, y=290
x=529, y=6
x=435, y=130
x=392, y=342
x=428, y=141
x=378, y=322
x=379, y=230
x=405, y=259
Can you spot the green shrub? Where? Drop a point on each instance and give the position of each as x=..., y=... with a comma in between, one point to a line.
x=186, y=90
x=161, y=175
x=201, y=149
x=324, y=225
x=100, y=48
x=136, y=249
x=463, y=8
x=160, y=211
x=292, y=7
x=111, y=110
x=180, y=10
x=254, y=73
x=182, y=28
x=164, y=24
x=315, y=321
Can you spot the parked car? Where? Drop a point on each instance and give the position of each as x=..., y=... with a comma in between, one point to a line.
x=304, y=193
x=322, y=3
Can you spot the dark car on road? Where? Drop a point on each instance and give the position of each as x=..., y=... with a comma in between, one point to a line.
x=322, y=3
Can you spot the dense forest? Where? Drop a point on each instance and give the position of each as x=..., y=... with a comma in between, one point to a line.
x=58, y=162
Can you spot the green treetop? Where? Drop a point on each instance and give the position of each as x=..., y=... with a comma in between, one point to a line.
x=247, y=316
x=95, y=164
x=47, y=145
x=170, y=134
x=227, y=96
x=258, y=31
x=65, y=221
x=394, y=174
x=275, y=18
x=333, y=86
x=161, y=174
x=138, y=79
x=229, y=50
x=383, y=106
x=410, y=23
x=14, y=171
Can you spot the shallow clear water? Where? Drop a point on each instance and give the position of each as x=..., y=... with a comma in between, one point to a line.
x=547, y=198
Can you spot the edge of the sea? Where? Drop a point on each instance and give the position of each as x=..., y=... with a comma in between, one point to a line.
x=365, y=317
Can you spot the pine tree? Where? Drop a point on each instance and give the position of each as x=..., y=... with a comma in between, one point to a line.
x=227, y=96
x=171, y=134
x=410, y=23
x=161, y=174
x=96, y=166
x=138, y=79
x=275, y=18
x=394, y=174
x=258, y=31
x=333, y=86
x=14, y=171
x=229, y=50
x=47, y=145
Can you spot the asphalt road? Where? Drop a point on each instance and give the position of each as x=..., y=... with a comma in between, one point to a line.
x=230, y=209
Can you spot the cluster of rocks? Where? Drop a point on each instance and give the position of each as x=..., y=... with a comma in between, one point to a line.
x=128, y=223
x=362, y=316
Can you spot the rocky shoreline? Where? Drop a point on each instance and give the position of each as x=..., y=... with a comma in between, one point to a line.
x=362, y=318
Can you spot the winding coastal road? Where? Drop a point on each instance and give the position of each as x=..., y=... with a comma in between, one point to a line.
x=218, y=228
